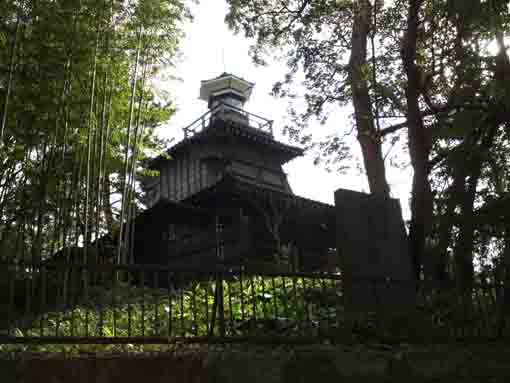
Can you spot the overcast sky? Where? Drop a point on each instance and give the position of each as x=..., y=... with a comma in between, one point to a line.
x=209, y=49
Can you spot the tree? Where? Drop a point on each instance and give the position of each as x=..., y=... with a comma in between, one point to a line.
x=472, y=124
x=317, y=37
x=450, y=99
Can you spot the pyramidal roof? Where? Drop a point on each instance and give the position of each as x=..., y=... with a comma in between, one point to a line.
x=223, y=84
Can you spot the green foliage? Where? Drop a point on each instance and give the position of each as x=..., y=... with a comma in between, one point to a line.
x=68, y=114
x=261, y=308
x=256, y=306
x=461, y=89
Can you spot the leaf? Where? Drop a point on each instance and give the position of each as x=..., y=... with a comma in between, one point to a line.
x=3, y=39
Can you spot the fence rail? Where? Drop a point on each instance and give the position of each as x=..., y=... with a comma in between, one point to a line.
x=64, y=303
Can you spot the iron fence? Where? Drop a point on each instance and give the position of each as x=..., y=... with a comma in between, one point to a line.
x=159, y=304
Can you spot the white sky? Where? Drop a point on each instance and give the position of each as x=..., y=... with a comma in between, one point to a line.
x=209, y=49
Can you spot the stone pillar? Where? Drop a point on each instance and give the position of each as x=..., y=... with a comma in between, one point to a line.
x=373, y=252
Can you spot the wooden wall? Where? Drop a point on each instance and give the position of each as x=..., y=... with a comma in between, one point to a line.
x=204, y=165
x=182, y=177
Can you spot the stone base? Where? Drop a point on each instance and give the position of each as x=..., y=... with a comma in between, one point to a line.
x=282, y=364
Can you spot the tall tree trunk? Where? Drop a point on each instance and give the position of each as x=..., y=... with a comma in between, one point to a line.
x=464, y=270
x=445, y=229
x=419, y=143
x=455, y=194
x=465, y=243
x=368, y=136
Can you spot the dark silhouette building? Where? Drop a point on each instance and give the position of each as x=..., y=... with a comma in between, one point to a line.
x=224, y=184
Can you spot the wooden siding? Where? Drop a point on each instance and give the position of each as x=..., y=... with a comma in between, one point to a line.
x=182, y=177
x=197, y=169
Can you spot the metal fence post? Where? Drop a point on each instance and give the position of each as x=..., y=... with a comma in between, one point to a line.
x=221, y=311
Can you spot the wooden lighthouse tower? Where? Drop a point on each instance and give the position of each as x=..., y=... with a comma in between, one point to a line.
x=226, y=141
x=228, y=171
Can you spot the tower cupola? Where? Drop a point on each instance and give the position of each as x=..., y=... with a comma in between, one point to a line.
x=227, y=89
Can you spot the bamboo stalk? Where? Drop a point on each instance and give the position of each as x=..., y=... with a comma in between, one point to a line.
x=128, y=143
x=10, y=79
x=137, y=135
x=103, y=127
x=89, y=149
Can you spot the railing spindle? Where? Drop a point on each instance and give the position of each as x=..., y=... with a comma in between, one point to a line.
x=273, y=296
x=254, y=299
x=114, y=311
x=294, y=293
x=142, y=287
x=306, y=306
x=100, y=325
x=11, y=274
x=231, y=316
x=72, y=299
x=285, y=299
x=156, y=303
x=169, y=296
x=181, y=303
x=241, y=293
x=86, y=298
x=193, y=307
x=221, y=305
x=264, y=308
x=129, y=304
x=206, y=305
x=328, y=309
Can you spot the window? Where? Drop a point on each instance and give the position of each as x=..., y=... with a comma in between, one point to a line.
x=171, y=232
x=236, y=103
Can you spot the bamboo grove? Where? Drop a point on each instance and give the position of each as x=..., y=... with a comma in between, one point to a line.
x=77, y=115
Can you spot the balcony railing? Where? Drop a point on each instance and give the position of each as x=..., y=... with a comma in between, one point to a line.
x=228, y=112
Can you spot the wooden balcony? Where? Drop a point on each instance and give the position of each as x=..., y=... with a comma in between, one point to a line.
x=228, y=112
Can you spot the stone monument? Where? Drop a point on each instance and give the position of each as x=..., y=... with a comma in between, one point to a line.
x=374, y=253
